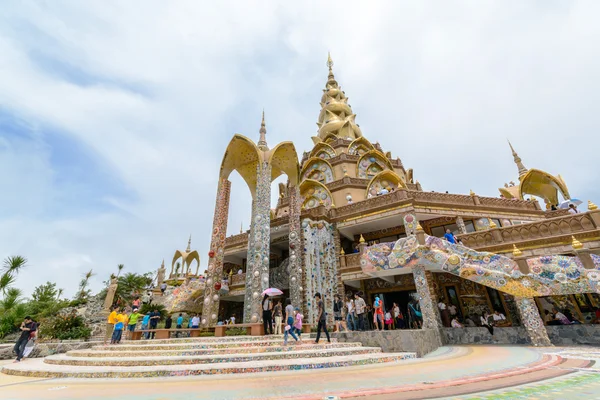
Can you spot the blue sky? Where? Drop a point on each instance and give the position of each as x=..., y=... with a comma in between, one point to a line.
x=114, y=115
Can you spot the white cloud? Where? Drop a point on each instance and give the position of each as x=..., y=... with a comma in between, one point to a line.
x=442, y=86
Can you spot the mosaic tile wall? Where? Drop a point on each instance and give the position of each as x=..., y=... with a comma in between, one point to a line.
x=259, y=242
x=369, y=166
x=320, y=263
x=315, y=195
x=530, y=317
x=431, y=317
x=210, y=308
x=381, y=183
x=295, y=246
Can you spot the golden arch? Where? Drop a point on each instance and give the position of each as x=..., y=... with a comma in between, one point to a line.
x=542, y=184
x=390, y=175
x=313, y=160
x=356, y=143
x=308, y=184
x=242, y=156
x=378, y=155
x=284, y=160
x=323, y=147
x=186, y=260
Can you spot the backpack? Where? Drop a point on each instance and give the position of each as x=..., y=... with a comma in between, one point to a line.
x=417, y=313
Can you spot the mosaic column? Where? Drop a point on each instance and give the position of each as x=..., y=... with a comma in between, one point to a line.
x=259, y=244
x=530, y=317
x=210, y=309
x=338, y=248
x=320, y=265
x=424, y=285
x=295, y=264
x=461, y=225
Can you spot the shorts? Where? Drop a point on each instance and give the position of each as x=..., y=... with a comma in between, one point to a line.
x=131, y=328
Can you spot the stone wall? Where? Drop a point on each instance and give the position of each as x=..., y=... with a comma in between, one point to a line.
x=46, y=349
x=419, y=341
x=574, y=334
x=510, y=335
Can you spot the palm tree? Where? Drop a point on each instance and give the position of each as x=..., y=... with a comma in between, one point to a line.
x=83, y=293
x=120, y=268
x=59, y=293
x=12, y=266
x=177, y=266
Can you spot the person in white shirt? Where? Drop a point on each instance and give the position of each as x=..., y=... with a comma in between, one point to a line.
x=444, y=313
x=452, y=309
x=195, y=321
x=573, y=209
x=456, y=323
x=360, y=309
x=351, y=316
x=499, y=318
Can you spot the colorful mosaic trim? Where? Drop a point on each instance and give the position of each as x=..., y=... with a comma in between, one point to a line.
x=550, y=275
x=214, y=359
x=319, y=170
x=210, y=307
x=259, y=244
x=431, y=318
x=370, y=165
x=210, y=371
x=226, y=350
x=532, y=321
x=320, y=262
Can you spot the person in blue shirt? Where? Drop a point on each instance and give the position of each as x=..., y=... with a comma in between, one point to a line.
x=145, y=322
x=449, y=236
x=179, y=324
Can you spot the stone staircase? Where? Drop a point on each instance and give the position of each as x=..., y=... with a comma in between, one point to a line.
x=201, y=356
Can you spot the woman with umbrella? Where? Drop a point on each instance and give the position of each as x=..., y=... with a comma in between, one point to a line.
x=267, y=309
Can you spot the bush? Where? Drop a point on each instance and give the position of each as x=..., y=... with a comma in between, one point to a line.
x=78, y=302
x=206, y=334
x=64, y=328
x=235, y=332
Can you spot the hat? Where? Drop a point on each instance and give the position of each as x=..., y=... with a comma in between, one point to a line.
x=297, y=309
x=135, y=309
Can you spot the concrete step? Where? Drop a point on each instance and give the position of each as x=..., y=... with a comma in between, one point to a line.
x=298, y=352
x=37, y=367
x=208, y=339
x=308, y=345
x=133, y=346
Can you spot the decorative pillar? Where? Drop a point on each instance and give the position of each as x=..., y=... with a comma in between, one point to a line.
x=210, y=309
x=295, y=263
x=533, y=323
x=460, y=223
x=338, y=250
x=427, y=298
x=259, y=245
x=110, y=294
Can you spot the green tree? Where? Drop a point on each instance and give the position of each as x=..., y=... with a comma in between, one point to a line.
x=84, y=293
x=45, y=301
x=12, y=308
x=129, y=285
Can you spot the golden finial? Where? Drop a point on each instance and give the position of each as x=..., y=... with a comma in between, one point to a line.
x=189, y=247
x=520, y=166
x=362, y=239
x=591, y=206
x=342, y=252
x=419, y=228
x=262, y=141
x=163, y=263
x=516, y=251
x=329, y=61
x=576, y=244
x=492, y=224
x=471, y=192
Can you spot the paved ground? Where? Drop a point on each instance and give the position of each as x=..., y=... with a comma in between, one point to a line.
x=457, y=372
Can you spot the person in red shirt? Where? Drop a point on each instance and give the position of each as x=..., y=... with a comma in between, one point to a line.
x=378, y=315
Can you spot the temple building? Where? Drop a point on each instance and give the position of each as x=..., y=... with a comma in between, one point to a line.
x=352, y=218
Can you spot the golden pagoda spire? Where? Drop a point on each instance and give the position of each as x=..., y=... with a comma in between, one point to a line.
x=336, y=117
x=576, y=244
x=189, y=247
x=520, y=166
x=163, y=264
x=262, y=141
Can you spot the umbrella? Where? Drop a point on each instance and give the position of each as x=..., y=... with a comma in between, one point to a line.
x=565, y=204
x=272, y=292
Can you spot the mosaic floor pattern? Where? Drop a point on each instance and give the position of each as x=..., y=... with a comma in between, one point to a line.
x=453, y=372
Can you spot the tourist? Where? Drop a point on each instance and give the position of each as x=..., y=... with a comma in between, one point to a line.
x=150, y=297
x=351, y=315
x=487, y=322
x=452, y=310
x=133, y=319
x=168, y=322
x=145, y=324
x=322, y=324
x=499, y=319
x=570, y=316
x=154, y=318
x=444, y=313
x=449, y=236
x=469, y=322
x=27, y=326
x=388, y=320
x=414, y=314
x=360, y=309
x=136, y=303
x=110, y=323
x=456, y=323
x=195, y=322
x=118, y=330
x=562, y=318
x=289, y=322
x=378, y=314
x=163, y=288
x=32, y=338
x=338, y=305
x=267, y=307
x=179, y=323
x=573, y=209
x=240, y=272
x=398, y=317
x=277, y=313
x=370, y=317
x=298, y=324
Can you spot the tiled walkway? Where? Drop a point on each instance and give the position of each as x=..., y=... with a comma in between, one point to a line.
x=469, y=372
